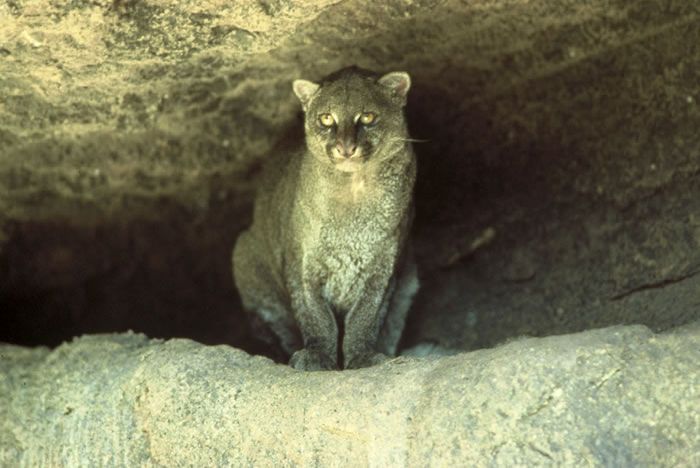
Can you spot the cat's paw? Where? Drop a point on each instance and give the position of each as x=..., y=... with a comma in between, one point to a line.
x=309, y=360
x=367, y=359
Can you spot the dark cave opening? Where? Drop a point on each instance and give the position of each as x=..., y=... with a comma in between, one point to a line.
x=524, y=226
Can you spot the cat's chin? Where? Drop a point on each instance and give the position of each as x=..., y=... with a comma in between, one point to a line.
x=348, y=165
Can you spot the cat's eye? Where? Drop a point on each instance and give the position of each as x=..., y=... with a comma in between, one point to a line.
x=367, y=118
x=326, y=120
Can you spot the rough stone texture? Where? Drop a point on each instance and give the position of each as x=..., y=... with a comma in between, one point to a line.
x=620, y=396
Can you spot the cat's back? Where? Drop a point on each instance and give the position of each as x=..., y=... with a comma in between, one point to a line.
x=276, y=192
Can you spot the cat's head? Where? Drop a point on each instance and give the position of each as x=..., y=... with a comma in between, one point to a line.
x=354, y=116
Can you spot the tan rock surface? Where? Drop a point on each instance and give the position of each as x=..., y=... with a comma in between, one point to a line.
x=613, y=397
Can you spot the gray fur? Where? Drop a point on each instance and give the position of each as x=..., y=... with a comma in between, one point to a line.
x=329, y=240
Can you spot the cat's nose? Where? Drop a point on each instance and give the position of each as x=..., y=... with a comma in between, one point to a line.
x=347, y=149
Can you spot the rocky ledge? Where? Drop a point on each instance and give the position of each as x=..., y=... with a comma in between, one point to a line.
x=621, y=396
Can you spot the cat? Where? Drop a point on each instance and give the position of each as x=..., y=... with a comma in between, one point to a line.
x=327, y=263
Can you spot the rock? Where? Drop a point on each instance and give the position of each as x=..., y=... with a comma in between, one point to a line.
x=620, y=396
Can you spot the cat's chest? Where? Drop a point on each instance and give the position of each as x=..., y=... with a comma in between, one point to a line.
x=349, y=251
x=355, y=233
x=351, y=234
x=346, y=267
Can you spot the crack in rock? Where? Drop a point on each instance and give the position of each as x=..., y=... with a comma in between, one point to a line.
x=656, y=285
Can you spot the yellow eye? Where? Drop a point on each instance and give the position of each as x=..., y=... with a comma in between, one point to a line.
x=326, y=120
x=367, y=118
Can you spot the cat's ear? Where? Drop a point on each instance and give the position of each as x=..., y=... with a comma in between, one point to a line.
x=305, y=89
x=398, y=84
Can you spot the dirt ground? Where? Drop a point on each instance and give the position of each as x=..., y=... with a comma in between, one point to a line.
x=558, y=187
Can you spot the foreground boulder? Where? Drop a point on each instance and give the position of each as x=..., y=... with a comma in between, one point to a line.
x=620, y=396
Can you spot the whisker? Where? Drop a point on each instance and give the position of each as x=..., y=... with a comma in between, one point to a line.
x=413, y=140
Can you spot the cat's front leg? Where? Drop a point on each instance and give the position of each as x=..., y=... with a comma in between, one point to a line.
x=362, y=325
x=319, y=331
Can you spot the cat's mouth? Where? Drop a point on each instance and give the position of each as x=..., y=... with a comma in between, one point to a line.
x=347, y=163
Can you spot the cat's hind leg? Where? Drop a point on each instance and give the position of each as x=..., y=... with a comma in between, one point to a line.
x=262, y=296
